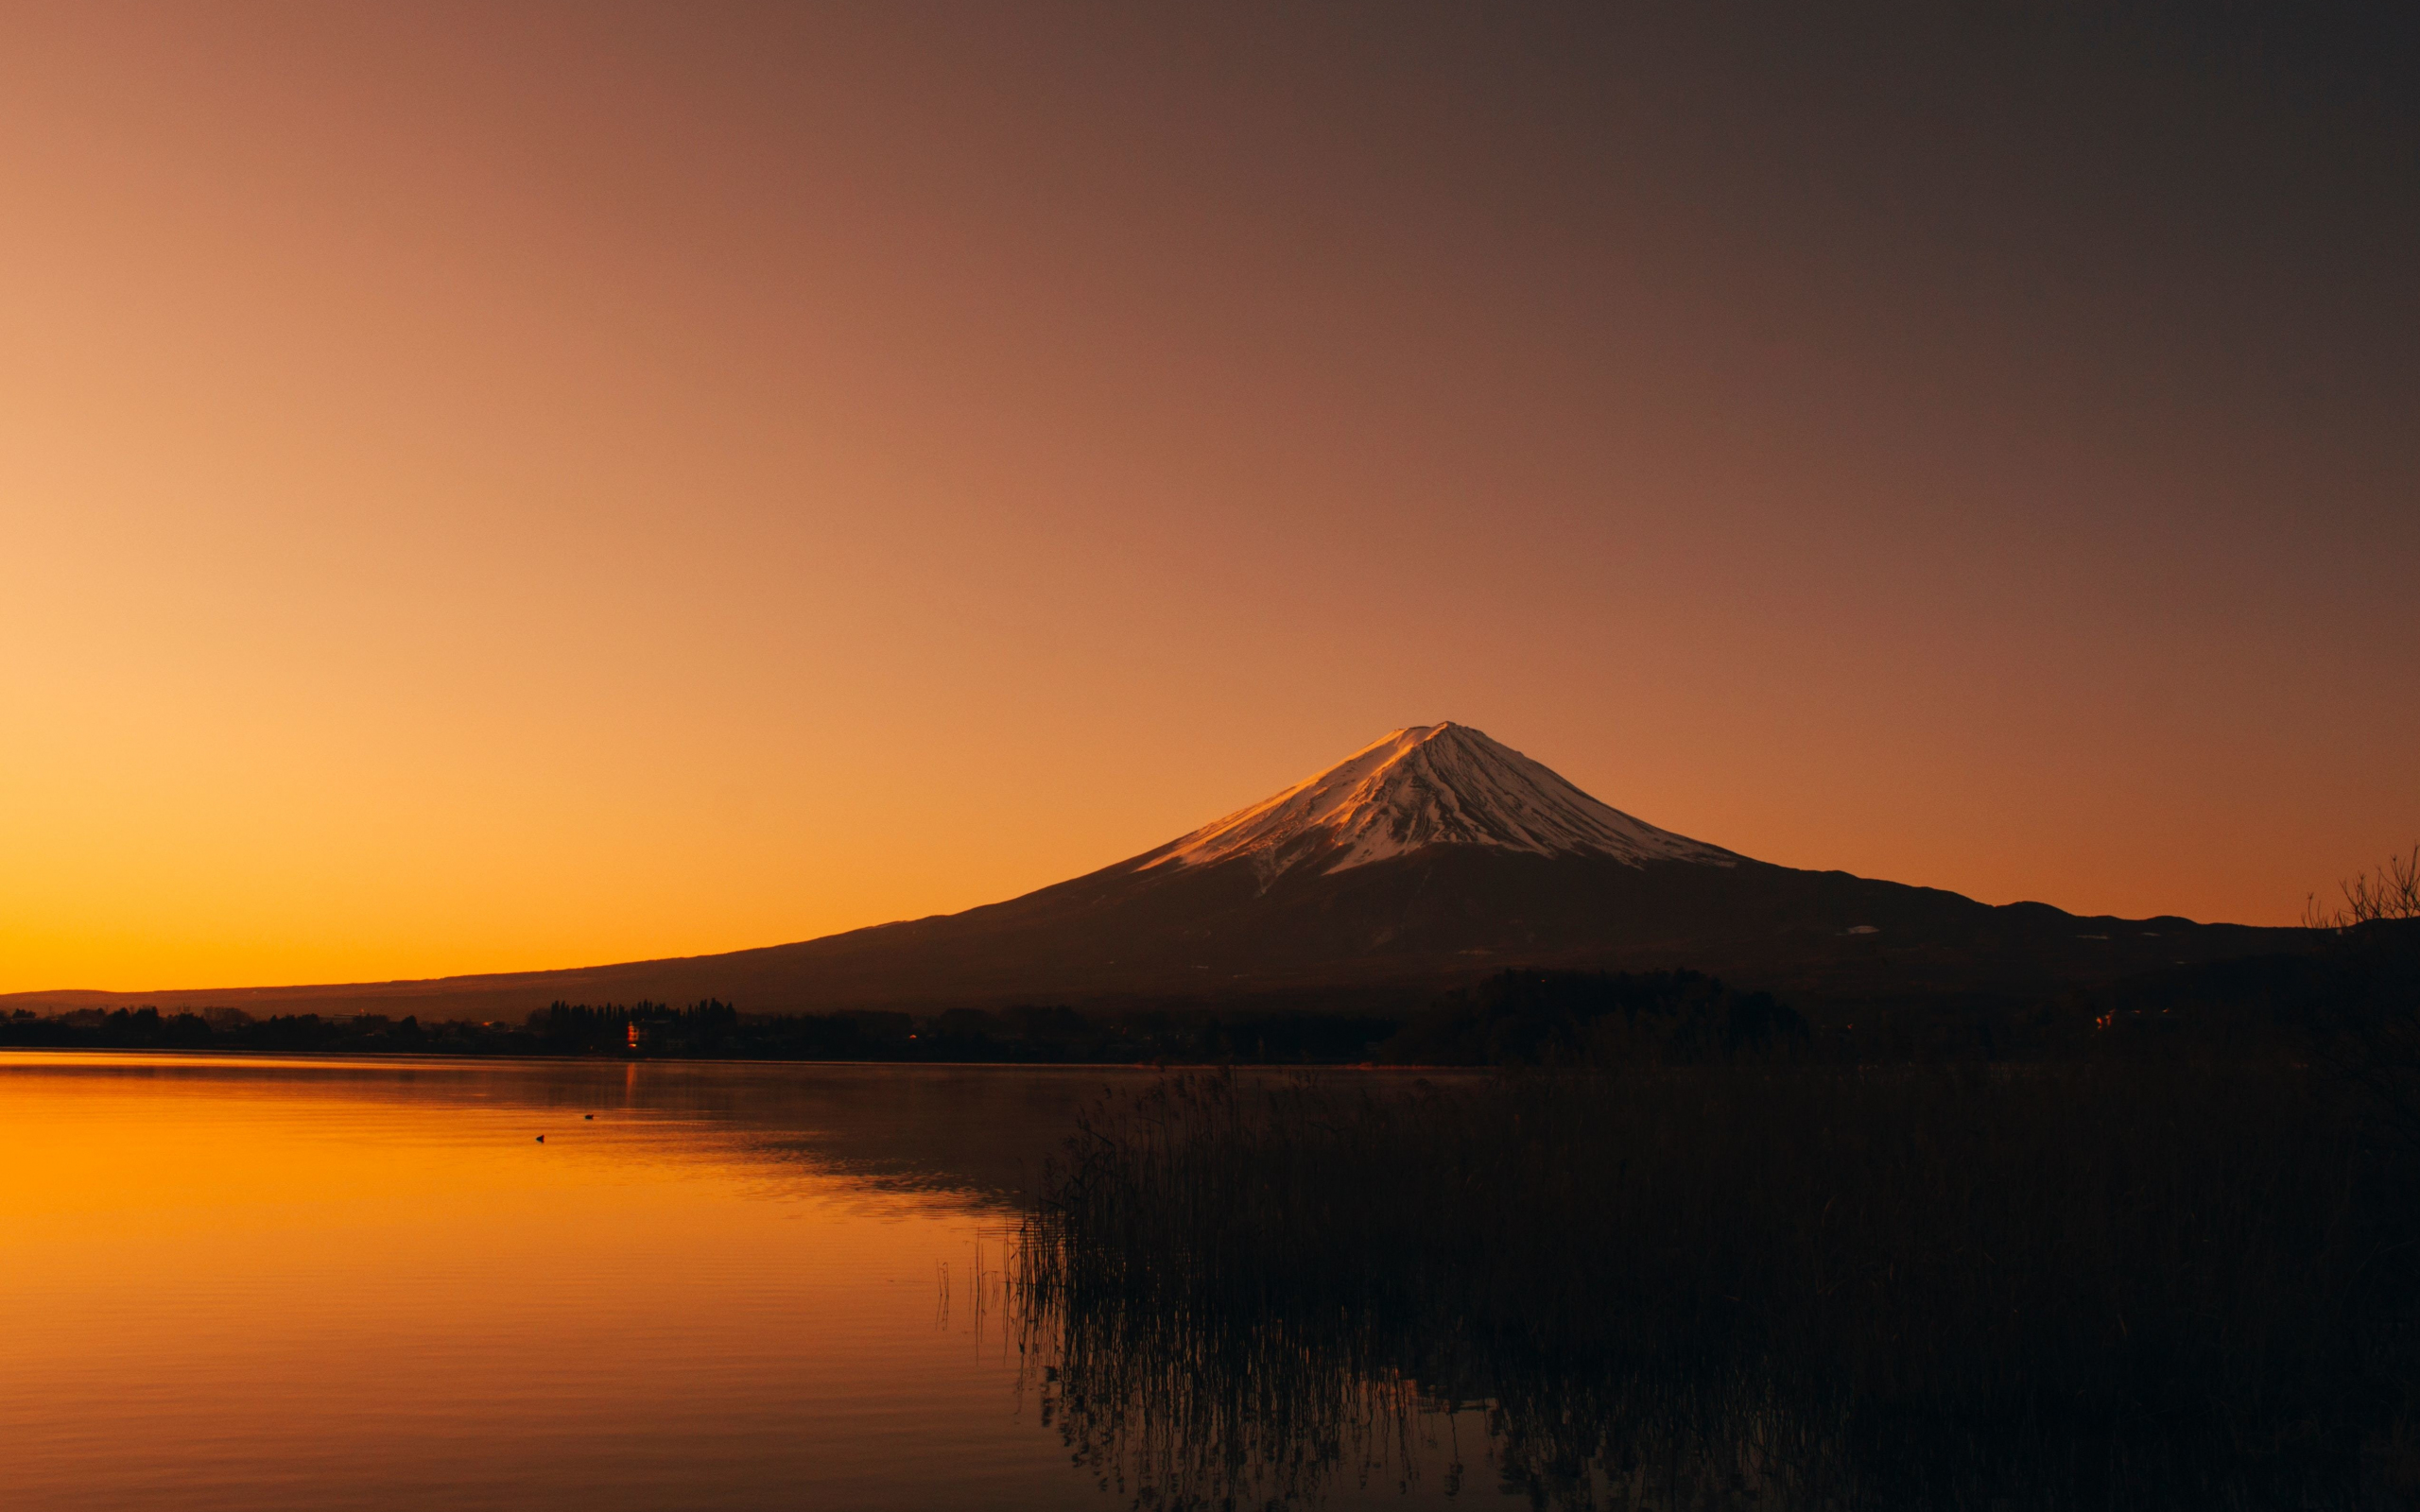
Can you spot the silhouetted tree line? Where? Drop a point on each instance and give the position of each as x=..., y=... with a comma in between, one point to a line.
x=233, y=1029
x=710, y=1028
x=718, y=1030
x=2353, y=1003
x=1597, y=1017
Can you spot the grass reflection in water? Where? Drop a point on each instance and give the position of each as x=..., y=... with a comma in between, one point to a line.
x=2057, y=1286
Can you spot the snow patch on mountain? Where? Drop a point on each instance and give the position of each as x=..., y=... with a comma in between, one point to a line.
x=1430, y=784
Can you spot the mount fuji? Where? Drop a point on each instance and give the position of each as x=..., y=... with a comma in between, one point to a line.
x=1429, y=858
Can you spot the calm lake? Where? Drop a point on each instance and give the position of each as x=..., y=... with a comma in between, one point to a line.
x=318, y=1283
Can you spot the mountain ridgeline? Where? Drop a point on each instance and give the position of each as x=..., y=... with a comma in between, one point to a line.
x=1432, y=858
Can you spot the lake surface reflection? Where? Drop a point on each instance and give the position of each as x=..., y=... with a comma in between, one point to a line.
x=299, y=1283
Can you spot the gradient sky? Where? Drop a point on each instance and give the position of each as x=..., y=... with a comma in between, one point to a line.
x=514, y=486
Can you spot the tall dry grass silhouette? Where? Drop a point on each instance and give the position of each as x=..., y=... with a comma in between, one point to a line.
x=2125, y=1285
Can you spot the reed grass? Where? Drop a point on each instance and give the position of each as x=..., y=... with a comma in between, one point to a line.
x=2083, y=1285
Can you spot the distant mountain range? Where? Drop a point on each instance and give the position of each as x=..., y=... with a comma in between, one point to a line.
x=1428, y=858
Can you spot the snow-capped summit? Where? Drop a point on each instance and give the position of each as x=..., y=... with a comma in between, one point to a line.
x=1430, y=784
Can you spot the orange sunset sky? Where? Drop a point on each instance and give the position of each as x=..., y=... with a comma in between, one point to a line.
x=525, y=485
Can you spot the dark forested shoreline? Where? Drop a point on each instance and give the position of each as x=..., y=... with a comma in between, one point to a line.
x=2333, y=1002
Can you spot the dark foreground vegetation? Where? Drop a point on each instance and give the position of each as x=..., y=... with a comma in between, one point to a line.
x=2153, y=1263
x=2119, y=1285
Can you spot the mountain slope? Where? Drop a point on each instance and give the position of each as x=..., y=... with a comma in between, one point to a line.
x=1430, y=856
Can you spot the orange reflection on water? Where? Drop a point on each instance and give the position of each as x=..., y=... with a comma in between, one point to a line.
x=314, y=1283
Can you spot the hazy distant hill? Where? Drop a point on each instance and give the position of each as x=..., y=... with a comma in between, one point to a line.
x=1429, y=858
